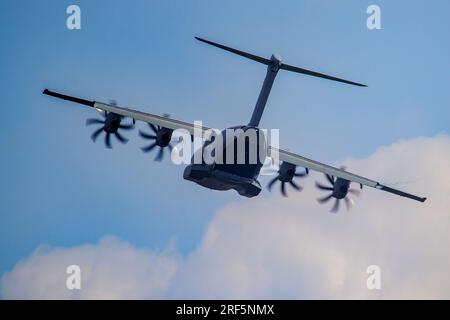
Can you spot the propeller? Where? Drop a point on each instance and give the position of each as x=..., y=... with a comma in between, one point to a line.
x=286, y=174
x=339, y=188
x=161, y=138
x=110, y=124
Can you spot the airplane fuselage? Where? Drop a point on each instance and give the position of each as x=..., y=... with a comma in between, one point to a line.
x=239, y=170
x=241, y=177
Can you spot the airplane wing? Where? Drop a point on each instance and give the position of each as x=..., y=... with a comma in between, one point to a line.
x=134, y=114
x=298, y=160
x=283, y=155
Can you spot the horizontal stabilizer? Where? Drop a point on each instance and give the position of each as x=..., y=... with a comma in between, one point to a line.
x=238, y=52
x=319, y=75
x=282, y=65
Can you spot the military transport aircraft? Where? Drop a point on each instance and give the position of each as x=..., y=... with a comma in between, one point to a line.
x=241, y=177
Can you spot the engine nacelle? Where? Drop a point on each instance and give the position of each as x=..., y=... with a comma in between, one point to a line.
x=112, y=122
x=340, y=188
x=286, y=172
x=163, y=136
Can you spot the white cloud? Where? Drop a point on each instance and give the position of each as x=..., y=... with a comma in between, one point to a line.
x=111, y=269
x=272, y=247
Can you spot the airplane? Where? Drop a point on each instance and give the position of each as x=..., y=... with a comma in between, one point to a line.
x=241, y=177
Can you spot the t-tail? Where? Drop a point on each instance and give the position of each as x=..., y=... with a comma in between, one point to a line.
x=274, y=64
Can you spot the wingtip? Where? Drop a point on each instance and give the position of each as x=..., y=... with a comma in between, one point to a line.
x=202, y=40
x=68, y=98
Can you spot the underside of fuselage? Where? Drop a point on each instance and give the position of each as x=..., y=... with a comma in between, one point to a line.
x=212, y=178
x=241, y=172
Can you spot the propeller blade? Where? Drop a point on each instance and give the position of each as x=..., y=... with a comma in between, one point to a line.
x=301, y=174
x=120, y=137
x=160, y=154
x=270, y=185
x=355, y=192
x=325, y=199
x=330, y=179
x=283, y=189
x=322, y=187
x=149, y=148
x=94, y=121
x=152, y=126
x=295, y=186
x=108, y=140
x=146, y=135
x=126, y=126
x=94, y=136
x=349, y=203
x=335, y=208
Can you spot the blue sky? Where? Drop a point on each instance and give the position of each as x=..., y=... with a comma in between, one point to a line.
x=59, y=188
